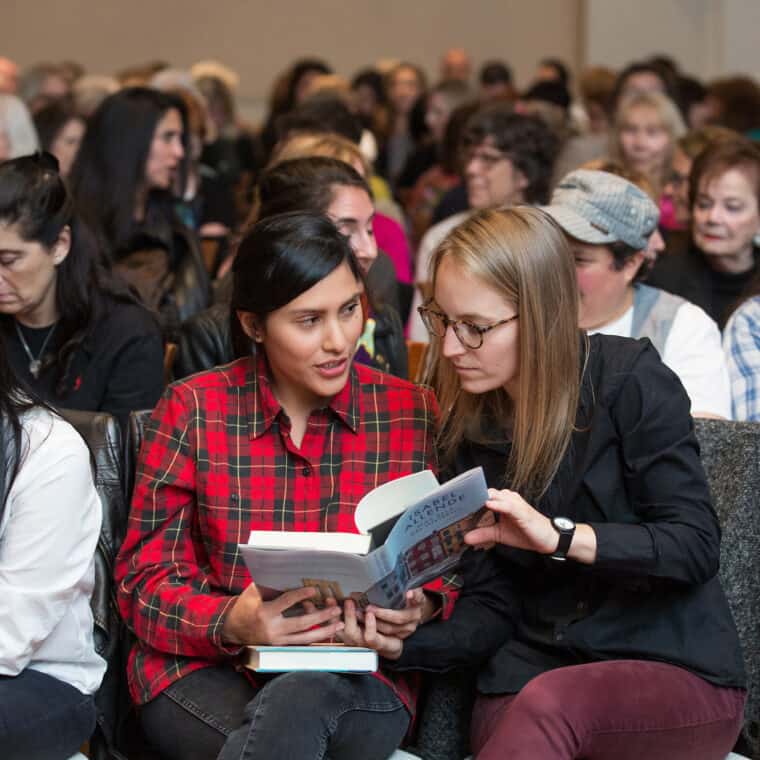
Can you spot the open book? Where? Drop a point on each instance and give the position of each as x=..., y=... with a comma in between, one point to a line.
x=410, y=531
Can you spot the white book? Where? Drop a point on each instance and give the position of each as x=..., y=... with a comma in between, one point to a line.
x=323, y=657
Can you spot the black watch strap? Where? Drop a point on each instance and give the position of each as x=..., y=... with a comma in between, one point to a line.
x=566, y=529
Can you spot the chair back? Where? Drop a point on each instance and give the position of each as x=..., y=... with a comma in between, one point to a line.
x=731, y=456
x=102, y=434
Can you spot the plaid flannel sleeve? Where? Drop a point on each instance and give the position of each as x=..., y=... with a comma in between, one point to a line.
x=163, y=592
x=741, y=343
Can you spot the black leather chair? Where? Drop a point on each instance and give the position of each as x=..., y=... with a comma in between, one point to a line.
x=103, y=436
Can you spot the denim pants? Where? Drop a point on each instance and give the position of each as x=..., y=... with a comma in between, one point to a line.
x=42, y=718
x=622, y=709
x=217, y=713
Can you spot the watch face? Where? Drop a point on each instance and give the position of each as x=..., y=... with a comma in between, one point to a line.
x=563, y=523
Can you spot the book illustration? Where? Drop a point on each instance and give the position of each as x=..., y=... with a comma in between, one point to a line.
x=424, y=540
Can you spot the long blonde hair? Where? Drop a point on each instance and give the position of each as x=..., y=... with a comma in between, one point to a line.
x=521, y=253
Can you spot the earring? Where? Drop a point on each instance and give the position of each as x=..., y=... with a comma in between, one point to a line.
x=756, y=240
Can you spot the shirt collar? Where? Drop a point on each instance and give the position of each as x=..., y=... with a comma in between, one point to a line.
x=263, y=406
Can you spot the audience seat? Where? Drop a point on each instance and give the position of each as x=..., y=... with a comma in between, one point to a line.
x=731, y=457
x=103, y=436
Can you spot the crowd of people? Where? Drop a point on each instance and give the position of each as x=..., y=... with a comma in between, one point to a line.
x=258, y=288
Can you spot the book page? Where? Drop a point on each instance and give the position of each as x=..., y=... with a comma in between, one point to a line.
x=341, y=576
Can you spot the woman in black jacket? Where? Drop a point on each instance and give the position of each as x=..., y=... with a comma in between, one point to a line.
x=326, y=186
x=79, y=339
x=597, y=618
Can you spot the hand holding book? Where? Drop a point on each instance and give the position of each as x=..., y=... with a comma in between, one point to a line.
x=382, y=629
x=251, y=620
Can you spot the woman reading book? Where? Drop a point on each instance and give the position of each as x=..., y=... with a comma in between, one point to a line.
x=597, y=617
x=288, y=436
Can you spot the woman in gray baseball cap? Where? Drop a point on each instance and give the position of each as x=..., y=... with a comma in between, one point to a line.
x=595, y=616
x=611, y=226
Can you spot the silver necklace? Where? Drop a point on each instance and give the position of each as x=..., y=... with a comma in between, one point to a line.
x=35, y=362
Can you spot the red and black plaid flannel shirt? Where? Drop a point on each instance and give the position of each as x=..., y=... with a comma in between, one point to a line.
x=216, y=463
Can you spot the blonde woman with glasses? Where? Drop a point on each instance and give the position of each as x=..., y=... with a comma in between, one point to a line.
x=594, y=613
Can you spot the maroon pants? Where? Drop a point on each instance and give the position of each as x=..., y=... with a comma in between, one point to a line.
x=623, y=709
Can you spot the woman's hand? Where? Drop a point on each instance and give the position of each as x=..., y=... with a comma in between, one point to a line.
x=519, y=525
x=251, y=620
x=382, y=629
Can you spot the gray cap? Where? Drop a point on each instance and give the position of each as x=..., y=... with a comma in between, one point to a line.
x=600, y=208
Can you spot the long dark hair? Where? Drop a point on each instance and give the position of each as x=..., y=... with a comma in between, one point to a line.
x=33, y=196
x=13, y=403
x=279, y=258
x=109, y=172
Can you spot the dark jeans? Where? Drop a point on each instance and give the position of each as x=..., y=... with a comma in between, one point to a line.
x=216, y=712
x=622, y=709
x=42, y=718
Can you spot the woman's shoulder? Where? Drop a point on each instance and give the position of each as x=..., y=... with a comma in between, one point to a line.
x=124, y=319
x=45, y=433
x=623, y=373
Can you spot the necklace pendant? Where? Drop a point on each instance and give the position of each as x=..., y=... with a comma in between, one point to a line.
x=34, y=367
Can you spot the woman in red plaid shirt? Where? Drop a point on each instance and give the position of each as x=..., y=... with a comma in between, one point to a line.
x=291, y=438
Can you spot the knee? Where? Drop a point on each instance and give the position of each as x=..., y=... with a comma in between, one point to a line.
x=543, y=700
x=304, y=691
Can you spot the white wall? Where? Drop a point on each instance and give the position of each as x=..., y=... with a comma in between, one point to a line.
x=708, y=38
x=259, y=38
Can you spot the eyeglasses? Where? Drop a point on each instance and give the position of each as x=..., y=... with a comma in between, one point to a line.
x=469, y=334
x=489, y=160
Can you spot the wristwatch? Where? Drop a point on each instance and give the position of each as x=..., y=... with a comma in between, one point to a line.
x=566, y=529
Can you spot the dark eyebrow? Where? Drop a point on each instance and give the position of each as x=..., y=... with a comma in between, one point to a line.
x=303, y=312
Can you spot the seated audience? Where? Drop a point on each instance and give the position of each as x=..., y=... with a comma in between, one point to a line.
x=8, y=76
x=205, y=202
x=716, y=263
x=496, y=83
x=324, y=186
x=443, y=176
x=288, y=91
x=596, y=622
x=42, y=84
x=233, y=151
x=18, y=136
x=301, y=417
x=646, y=128
x=122, y=181
x=508, y=159
x=76, y=338
x=50, y=517
x=734, y=102
x=456, y=66
x=60, y=129
x=440, y=103
x=389, y=234
x=741, y=340
x=406, y=84
x=686, y=149
x=611, y=226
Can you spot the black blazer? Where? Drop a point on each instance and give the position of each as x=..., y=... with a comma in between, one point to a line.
x=633, y=473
